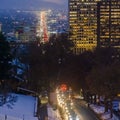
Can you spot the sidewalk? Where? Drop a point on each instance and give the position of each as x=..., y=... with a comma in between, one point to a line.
x=100, y=111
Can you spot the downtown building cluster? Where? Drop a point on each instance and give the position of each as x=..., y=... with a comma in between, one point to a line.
x=94, y=23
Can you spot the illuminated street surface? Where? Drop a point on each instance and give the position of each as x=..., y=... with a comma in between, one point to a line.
x=74, y=109
x=42, y=30
x=43, y=26
x=83, y=111
x=65, y=102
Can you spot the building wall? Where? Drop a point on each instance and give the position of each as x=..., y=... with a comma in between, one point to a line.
x=109, y=23
x=83, y=24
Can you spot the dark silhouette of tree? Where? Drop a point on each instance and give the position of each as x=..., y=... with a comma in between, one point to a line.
x=78, y=67
x=58, y=51
x=105, y=56
x=46, y=62
x=81, y=66
x=104, y=78
x=34, y=59
x=104, y=81
x=5, y=66
x=5, y=58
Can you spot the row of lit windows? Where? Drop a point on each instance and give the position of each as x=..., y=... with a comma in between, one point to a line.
x=85, y=42
x=73, y=15
x=73, y=6
x=73, y=12
x=108, y=12
x=83, y=35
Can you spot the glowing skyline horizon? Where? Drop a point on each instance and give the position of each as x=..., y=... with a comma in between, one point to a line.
x=33, y=4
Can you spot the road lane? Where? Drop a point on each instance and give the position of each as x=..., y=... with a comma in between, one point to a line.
x=84, y=112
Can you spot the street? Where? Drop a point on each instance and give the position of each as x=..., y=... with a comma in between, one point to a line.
x=83, y=111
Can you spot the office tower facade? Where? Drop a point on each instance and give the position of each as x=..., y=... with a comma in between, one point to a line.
x=83, y=24
x=109, y=23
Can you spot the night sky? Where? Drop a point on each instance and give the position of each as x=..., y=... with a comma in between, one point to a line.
x=33, y=4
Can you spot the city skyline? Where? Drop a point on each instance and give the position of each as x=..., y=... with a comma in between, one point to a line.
x=60, y=60
x=33, y=4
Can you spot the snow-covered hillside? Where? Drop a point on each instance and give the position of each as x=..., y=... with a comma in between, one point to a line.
x=23, y=109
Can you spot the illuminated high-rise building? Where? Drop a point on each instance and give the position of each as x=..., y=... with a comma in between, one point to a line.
x=109, y=23
x=83, y=24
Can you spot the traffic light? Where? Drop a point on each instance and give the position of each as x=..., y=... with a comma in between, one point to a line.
x=63, y=87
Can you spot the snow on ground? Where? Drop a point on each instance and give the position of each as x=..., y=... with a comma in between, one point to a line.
x=22, y=109
x=100, y=111
x=53, y=114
